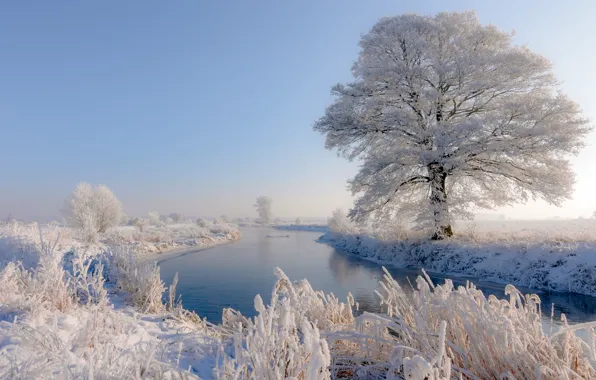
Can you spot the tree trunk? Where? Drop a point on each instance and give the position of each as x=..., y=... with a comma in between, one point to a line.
x=438, y=202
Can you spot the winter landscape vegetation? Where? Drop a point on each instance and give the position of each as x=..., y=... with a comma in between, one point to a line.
x=445, y=117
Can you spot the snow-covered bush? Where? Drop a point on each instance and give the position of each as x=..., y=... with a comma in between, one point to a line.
x=202, y=223
x=46, y=285
x=141, y=281
x=92, y=210
x=339, y=223
x=17, y=244
x=50, y=280
x=281, y=342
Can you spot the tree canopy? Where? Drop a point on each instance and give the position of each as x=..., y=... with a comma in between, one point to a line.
x=445, y=114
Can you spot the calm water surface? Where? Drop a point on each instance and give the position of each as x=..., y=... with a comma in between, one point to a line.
x=231, y=275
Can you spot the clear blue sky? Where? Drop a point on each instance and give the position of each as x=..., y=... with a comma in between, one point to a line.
x=201, y=106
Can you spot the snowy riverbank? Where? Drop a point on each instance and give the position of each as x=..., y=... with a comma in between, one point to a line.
x=154, y=241
x=549, y=265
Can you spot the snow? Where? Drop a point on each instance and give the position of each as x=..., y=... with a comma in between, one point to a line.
x=71, y=310
x=74, y=310
x=552, y=256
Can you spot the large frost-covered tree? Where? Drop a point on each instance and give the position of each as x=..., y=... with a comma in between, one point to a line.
x=445, y=114
x=263, y=206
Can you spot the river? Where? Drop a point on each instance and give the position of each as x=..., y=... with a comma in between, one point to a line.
x=231, y=275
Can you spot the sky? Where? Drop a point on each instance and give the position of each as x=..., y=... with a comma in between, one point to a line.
x=199, y=107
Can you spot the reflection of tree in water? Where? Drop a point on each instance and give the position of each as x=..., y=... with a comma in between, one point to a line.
x=264, y=244
x=343, y=267
x=300, y=237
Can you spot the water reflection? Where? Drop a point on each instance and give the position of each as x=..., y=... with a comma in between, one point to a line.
x=231, y=275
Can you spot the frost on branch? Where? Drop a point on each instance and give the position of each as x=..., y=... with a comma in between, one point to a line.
x=444, y=114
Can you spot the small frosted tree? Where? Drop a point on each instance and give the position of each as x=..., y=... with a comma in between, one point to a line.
x=177, y=217
x=153, y=218
x=263, y=206
x=141, y=223
x=92, y=209
x=298, y=222
x=446, y=114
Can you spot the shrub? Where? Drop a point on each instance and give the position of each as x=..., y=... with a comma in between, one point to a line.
x=280, y=342
x=141, y=281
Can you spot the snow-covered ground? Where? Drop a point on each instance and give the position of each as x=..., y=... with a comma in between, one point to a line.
x=70, y=312
x=75, y=310
x=549, y=255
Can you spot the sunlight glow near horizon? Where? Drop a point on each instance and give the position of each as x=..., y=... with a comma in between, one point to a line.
x=199, y=109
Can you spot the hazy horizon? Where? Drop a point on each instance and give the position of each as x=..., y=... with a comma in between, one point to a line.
x=199, y=108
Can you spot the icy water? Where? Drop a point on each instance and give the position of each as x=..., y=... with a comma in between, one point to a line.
x=231, y=275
